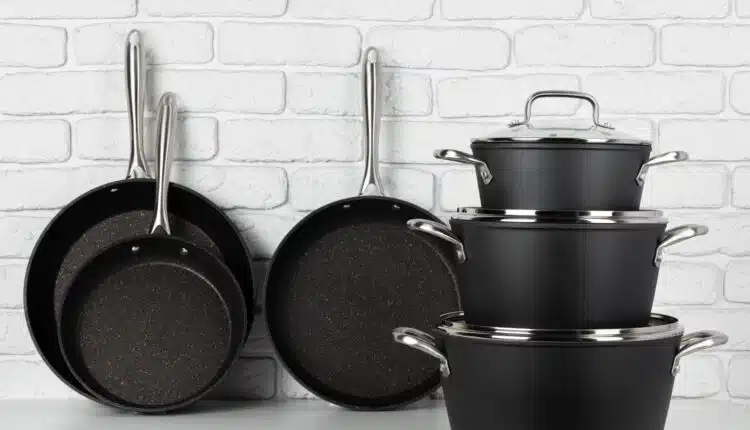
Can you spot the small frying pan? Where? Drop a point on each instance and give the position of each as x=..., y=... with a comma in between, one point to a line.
x=117, y=211
x=152, y=323
x=345, y=276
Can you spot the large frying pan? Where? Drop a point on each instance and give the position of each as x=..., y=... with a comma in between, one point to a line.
x=152, y=323
x=113, y=212
x=345, y=276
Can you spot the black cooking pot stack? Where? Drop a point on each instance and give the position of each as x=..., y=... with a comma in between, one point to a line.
x=557, y=272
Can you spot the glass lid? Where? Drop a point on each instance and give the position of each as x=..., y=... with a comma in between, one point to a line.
x=524, y=131
x=532, y=215
x=659, y=327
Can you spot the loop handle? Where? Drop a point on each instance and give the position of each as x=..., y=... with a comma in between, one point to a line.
x=563, y=94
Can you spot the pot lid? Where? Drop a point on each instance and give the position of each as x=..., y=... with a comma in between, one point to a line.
x=532, y=216
x=541, y=132
x=659, y=327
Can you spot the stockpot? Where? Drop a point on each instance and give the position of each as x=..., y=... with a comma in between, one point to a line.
x=561, y=168
x=545, y=269
x=526, y=379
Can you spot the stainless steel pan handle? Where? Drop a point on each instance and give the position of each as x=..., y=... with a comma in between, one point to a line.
x=136, y=80
x=698, y=341
x=675, y=236
x=371, y=184
x=462, y=157
x=665, y=158
x=422, y=341
x=564, y=95
x=441, y=231
x=167, y=116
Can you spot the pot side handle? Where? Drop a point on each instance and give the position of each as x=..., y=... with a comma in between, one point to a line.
x=665, y=158
x=462, y=157
x=695, y=342
x=440, y=231
x=675, y=236
x=423, y=342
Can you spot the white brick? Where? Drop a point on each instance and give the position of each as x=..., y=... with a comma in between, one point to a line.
x=688, y=283
x=585, y=46
x=696, y=45
x=164, y=43
x=293, y=390
x=502, y=95
x=296, y=44
x=737, y=282
x=248, y=379
x=32, y=45
x=458, y=188
x=109, y=139
x=732, y=322
x=30, y=378
x=340, y=94
x=441, y=48
x=383, y=10
x=658, y=92
x=11, y=285
x=739, y=376
x=14, y=336
x=19, y=234
x=189, y=8
x=45, y=141
x=236, y=187
x=263, y=232
x=686, y=185
x=209, y=91
x=511, y=9
x=313, y=187
x=711, y=139
x=414, y=142
x=28, y=9
x=743, y=8
x=308, y=140
x=739, y=92
x=700, y=376
x=741, y=187
x=20, y=189
x=658, y=9
x=30, y=93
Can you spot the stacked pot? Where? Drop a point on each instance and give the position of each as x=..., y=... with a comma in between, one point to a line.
x=557, y=274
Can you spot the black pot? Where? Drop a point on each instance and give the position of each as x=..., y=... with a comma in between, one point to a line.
x=555, y=168
x=617, y=379
x=567, y=270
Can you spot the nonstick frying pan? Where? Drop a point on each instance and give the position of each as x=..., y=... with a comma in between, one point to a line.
x=117, y=211
x=152, y=323
x=343, y=277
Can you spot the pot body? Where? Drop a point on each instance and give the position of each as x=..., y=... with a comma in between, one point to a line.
x=561, y=176
x=553, y=385
x=557, y=274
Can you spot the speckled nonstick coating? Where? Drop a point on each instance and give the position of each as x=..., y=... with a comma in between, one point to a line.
x=338, y=284
x=117, y=210
x=152, y=323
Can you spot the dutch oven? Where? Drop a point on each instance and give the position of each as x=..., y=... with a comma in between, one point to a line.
x=521, y=379
x=555, y=168
x=558, y=269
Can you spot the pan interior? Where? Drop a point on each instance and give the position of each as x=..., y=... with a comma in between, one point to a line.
x=152, y=334
x=345, y=279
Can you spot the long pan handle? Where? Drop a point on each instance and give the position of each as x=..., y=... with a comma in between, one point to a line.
x=165, y=132
x=136, y=80
x=371, y=184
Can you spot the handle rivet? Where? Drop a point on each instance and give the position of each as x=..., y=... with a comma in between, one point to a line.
x=183, y=252
x=135, y=249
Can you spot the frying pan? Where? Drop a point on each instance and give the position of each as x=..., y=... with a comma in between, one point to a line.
x=117, y=211
x=343, y=277
x=152, y=323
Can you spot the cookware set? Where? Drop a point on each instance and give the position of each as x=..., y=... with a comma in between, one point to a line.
x=556, y=275
x=533, y=309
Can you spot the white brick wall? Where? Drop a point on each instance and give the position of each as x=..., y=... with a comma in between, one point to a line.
x=270, y=100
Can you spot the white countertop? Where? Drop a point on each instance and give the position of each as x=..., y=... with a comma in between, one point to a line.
x=306, y=415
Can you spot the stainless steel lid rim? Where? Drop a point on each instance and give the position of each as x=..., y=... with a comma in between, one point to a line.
x=549, y=142
x=660, y=327
x=533, y=215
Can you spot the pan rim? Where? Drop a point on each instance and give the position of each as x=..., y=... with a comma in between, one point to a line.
x=425, y=389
